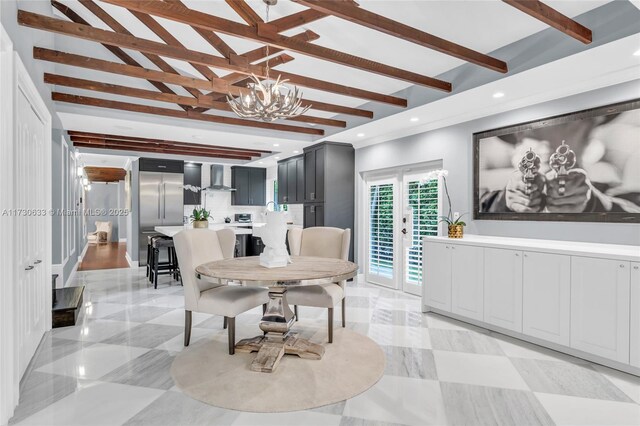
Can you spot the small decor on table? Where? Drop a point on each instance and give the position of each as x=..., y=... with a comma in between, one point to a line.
x=227, y=219
x=200, y=218
x=453, y=220
x=274, y=235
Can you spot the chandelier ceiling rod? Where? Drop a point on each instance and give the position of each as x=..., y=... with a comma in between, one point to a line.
x=268, y=101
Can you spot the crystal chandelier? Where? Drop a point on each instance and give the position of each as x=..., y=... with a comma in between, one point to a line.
x=268, y=101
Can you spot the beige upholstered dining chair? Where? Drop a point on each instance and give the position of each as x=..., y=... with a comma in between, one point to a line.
x=195, y=247
x=320, y=242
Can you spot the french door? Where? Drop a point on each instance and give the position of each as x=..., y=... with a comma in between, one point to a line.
x=402, y=209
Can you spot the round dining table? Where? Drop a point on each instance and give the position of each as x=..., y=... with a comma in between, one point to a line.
x=277, y=338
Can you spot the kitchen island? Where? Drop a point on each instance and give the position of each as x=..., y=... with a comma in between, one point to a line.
x=170, y=231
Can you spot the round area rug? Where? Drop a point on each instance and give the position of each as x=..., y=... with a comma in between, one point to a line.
x=351, y=364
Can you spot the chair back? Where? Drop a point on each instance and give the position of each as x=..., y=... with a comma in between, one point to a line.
x=320, y=241
x=195, y=247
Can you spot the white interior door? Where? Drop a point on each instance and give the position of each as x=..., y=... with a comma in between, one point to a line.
x=30, y=192
x=402, y=208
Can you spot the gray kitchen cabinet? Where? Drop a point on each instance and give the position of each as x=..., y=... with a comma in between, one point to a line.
x=193, y=177
x=250, y=185
x=291, y=180
x=329, y=186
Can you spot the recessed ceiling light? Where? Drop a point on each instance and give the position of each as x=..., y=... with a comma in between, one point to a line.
x=260, y=162
x=360, y=135
x=414, y=119
x=636, y=53
x=277, y=158
x=276, y=144
x=312, y=124
x=498, y=95
x=295, y=152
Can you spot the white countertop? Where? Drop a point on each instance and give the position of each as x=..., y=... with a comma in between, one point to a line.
x=170, y=231
x=612, y=251
x=238, y=229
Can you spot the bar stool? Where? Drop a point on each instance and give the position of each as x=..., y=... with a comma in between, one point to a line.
x=170, y=267
x=149, y=271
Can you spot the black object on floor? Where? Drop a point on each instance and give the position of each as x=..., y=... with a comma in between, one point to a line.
x=67, y=306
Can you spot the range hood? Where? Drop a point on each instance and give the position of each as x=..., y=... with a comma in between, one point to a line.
x=217, y=180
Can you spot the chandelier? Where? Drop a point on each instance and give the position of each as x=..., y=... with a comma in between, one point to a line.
x=267, y=100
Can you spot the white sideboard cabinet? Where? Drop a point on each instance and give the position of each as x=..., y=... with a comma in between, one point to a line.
x=579, y=298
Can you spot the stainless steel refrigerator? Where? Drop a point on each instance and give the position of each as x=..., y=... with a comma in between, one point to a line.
x=161, y=203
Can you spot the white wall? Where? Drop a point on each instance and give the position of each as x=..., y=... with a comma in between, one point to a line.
x=454, y=146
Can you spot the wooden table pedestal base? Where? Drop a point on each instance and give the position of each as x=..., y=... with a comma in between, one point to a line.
x=271, y=350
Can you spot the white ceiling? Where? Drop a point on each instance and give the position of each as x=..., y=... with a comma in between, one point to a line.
x=102, y=160
x=483, y=25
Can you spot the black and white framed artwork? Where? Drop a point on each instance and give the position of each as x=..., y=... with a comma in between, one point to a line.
x=583, y=166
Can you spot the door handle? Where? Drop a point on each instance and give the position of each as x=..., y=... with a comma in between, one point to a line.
x=28, y=268
x=313, y=195
x=158, y=200
x=404, y=231
x=37, y=262
x=313, y=209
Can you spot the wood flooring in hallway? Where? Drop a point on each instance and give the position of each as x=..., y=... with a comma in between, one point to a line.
x=104, y=256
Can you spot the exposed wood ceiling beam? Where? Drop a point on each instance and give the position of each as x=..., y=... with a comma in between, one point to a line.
x=138, y=147
x=119, y=53
x=119, y=28
x=245, y=11
x=104, y=174
x=267, y=33
x=168, y=38
x=34, y=20
x=553, y=18
x=97, y=141
x=357, y=15
x=202, y=101
x=218, y=86
x=177, y=144
x=189, y=115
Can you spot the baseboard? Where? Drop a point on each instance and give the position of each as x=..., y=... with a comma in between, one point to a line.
x=132, y=263
x=84, y=251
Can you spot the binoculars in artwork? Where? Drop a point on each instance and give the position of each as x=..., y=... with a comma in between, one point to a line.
x=561, y=161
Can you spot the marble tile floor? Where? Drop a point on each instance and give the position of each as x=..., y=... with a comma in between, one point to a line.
x=113, y=367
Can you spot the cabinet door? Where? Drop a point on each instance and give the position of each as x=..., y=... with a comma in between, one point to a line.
x=600, y=307
x=546, y=297
x=257, y=186
x=467, y=281
x=437, y=275
x=309, y=216
x=318, y=195
x=292, y=180
x=299, y=180
x=282, y=183
x=192, y=176
x=635, y=314
x=309, y=175
x=319, y=211
x=503, y=288
x=240, y=181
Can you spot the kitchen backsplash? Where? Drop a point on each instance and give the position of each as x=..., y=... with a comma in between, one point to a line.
x=219, y=203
